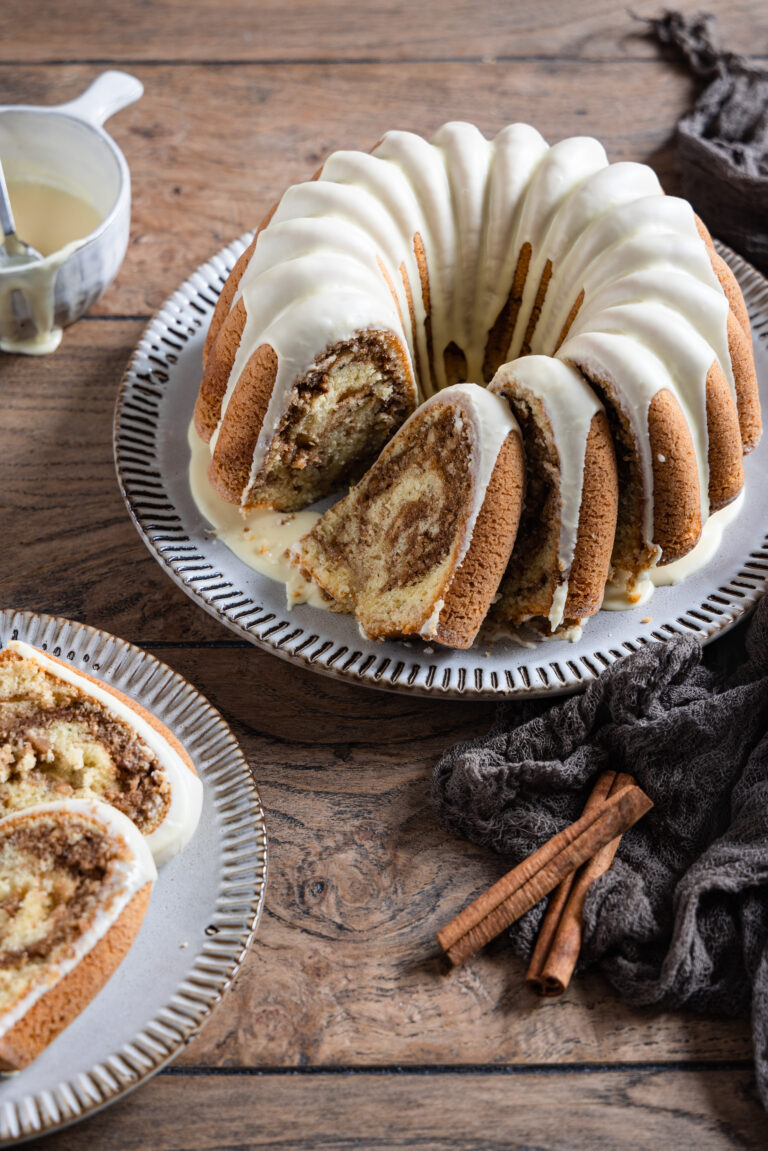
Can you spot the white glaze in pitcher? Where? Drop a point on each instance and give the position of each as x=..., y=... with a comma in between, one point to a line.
x=67, y=145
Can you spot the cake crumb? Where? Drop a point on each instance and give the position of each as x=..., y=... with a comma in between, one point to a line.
x=647, y=619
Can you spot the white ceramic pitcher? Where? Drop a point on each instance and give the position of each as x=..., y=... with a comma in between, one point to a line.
x=67, y=145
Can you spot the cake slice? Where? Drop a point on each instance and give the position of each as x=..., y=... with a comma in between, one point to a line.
x=562, y=556
x=66, y=735
x=419, y=545
x=75, y=879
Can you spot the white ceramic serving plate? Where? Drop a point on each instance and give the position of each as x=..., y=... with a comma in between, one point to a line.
x=153, y=412
x=202, y=913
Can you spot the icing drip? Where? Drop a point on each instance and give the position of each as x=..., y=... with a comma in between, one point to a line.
x=262, y=538
x=620, y=595
x=36, y=283
x=569, y=406
x=705, y=550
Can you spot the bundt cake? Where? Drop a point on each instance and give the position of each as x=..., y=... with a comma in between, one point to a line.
x=420, y=544
x=64, y=734
x=394, y=274
x=559, y=566
x=75, y=879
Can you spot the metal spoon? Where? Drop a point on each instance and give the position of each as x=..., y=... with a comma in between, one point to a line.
x=13, y=251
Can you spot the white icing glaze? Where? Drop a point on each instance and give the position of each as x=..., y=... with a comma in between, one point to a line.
x=624, y=592
x=261, y=538
x=569, y=406
x=183, y=814
x=128, y=876
x=432, y=622
x=621, y=597
x=49, y=216
x=56, y=221
x=332, y=261
x=36, y=282
x=705, y=550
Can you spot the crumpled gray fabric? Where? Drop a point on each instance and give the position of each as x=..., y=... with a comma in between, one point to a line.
x=722, y=145
x=681, y=919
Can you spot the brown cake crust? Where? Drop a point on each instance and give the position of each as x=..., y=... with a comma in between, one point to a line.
x=569, y=319
x=417, y=366
x=676, y=495
x=745, y=379
x=218, y=368
x=56, y=1009
x=227, y=295
x=535, y=574
x=733, y=294
x=503, y=328
x=725, y=455
x=597, y=525
x=230, y=466
x=421, y=263
x=739, y=346
x=538, y=304
x=704, y=232
x=476, y=581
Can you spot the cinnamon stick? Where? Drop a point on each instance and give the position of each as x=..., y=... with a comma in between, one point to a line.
x=540, y=873
x=559, y=898
x=557, y=948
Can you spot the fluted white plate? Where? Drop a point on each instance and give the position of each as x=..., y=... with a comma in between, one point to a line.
x=203, y=910
x=153, y=412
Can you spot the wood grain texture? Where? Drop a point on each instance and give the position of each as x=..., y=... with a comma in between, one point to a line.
x=343, y=29
x=241, y=100
x=600, y=1110
x=199, y=180
x=75, y=551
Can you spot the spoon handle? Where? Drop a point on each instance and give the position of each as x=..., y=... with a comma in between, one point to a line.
x=6, y=212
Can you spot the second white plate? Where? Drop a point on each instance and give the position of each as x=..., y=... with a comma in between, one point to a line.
x=202, y=913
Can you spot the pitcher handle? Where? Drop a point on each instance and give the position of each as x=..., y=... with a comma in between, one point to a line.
x=108, y=93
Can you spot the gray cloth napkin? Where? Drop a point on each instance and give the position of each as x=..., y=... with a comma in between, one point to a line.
x=722, y=145
x=681, y=919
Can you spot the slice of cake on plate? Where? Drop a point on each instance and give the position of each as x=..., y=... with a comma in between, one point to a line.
x=65, y=735
x=75, y=879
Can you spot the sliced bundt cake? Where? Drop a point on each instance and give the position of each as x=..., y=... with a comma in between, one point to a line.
x=419, y=546
x=397, y=273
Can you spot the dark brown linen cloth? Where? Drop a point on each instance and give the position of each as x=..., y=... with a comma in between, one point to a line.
x=681, y=919
x=722, y=145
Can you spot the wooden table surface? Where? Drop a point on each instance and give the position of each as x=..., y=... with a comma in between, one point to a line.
x=340, y=1029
